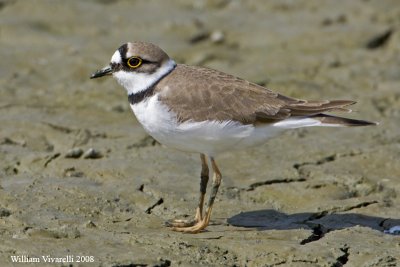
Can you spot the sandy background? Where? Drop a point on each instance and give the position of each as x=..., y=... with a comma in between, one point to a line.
x=312, y=197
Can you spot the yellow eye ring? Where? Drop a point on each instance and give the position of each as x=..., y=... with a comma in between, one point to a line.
x=134, y=62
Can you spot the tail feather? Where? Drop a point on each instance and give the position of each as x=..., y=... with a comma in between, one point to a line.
x=309, y=108
x=329, y=120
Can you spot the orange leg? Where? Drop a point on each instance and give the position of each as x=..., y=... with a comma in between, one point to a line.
x=203, y=188
x=204, y=221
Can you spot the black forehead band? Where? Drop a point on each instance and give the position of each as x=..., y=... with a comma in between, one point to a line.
x=123, y=50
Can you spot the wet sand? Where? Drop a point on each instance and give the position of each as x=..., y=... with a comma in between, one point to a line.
x=311, y=197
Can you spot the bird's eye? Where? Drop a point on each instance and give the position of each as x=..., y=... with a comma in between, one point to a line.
x=134, y=62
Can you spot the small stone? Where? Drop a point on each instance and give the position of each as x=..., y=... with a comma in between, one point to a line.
x=379, y=40
x=4, y=212
x=217, y=37
x=92, y=153
x=90, y=224
x=74, y=153
x=199, y=37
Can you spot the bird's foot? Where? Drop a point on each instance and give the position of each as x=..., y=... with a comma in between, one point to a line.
x=192, y=229
x=178, y=223
x=199, y=223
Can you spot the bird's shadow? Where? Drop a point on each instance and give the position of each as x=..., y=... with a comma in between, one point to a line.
x=318, y=222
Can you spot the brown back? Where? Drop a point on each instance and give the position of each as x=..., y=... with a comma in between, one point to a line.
x=198, y=94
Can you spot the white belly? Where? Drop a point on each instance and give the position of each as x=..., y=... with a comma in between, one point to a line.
x=208, y=137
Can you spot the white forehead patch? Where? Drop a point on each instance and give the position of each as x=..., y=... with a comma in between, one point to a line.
x=116, y=58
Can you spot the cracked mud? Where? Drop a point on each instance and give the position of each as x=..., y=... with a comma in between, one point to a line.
x=79, y=176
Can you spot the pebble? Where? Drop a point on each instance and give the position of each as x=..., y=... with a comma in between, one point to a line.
x=90, y=224
x=92, y=153
x=4, y=212
x=199, y=37
x=379, y=40
x=74, y=153
x=217, y=37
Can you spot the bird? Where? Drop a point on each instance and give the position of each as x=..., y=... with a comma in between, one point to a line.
x=201, y=110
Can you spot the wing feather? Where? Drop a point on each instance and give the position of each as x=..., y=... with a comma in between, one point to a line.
x=198, y=94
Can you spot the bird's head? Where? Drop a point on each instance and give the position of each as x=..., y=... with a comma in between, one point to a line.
x=137, y=65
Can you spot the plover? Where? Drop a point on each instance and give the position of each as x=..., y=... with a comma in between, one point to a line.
x=201, y=110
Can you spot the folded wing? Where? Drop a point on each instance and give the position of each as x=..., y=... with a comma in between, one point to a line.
x=206, y=94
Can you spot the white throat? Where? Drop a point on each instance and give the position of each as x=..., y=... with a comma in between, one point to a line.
x=136, y=82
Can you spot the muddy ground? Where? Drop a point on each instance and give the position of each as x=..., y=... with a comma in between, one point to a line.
x=312, y=197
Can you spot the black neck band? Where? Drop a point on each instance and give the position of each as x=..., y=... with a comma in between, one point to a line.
x=140, y=96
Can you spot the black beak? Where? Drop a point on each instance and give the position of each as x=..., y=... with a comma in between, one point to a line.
x=103, y=72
